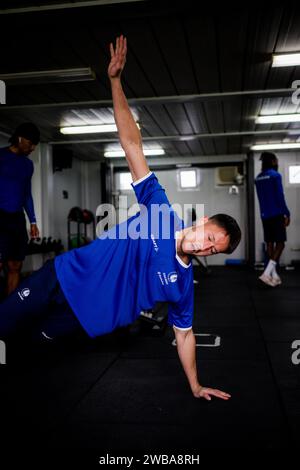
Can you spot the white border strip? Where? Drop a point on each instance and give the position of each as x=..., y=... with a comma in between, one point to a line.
x=182, y=329
x=141, y=179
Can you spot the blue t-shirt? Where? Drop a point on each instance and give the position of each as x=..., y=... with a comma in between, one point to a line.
x=270, y=194
x=15, y=183
x=108, y=282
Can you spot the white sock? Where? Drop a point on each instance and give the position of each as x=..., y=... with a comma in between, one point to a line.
x=274, y=273
x=270, y=268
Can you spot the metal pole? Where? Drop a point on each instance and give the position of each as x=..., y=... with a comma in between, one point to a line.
x=250, y=204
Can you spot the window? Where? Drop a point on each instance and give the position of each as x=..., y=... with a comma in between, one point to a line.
x=125, y=181
x=188, y=179
x=294, y=174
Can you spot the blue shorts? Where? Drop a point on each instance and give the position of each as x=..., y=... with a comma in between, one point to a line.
x=38, y=303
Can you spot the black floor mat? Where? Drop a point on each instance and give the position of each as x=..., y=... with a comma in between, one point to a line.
x=126, y=392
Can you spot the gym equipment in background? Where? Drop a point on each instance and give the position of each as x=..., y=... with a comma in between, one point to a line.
x=153, y=321
x=40, y=250
x=80, y=217
x=44, y=245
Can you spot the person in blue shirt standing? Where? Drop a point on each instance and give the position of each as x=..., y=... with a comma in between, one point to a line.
x=130, y=267
x=275, y=214
x=15, y=195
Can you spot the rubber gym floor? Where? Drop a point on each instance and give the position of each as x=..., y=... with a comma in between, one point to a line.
x=126, y=392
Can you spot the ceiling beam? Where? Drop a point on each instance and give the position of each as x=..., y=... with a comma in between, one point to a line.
x=186, y=160
x=62, y=6
x=182, y=138
x=78, y=74
x=183, y=99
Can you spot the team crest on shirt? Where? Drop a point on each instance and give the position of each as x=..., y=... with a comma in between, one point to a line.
x=167, y=279
x=172, y=277
x=24, y=293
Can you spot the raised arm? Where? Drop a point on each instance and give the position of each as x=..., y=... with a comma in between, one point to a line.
x=129, y=134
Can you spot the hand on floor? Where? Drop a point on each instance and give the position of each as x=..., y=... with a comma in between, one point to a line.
x=204, y=392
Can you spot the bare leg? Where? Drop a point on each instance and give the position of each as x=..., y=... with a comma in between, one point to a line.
x=279, y=247
x=270, y=249
x=274, y=250
x=13, y=276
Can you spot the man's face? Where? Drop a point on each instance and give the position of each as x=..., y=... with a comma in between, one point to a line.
x=25, y=146
x=204, y=239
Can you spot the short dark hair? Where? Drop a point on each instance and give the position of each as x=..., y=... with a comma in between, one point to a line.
x=267, y=159
x=231, y=227
x=28, y=130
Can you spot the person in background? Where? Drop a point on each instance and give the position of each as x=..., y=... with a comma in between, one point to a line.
x=275, y=214
x=16, y=171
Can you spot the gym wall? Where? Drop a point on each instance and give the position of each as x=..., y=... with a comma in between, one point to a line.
x=216, y=200
x=82, y=182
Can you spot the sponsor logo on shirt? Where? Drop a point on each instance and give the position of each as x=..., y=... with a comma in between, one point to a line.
x=154, y=242
x=24, y=293
x=165, y=278
x=266, y=177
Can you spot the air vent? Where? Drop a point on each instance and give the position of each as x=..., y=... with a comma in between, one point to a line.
x=226, y=175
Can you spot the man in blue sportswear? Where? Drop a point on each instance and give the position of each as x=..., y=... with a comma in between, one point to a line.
x=275, y=214
x=15, y=195
x=129, y=268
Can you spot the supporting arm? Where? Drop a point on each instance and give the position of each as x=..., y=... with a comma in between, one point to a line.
x=186, y=347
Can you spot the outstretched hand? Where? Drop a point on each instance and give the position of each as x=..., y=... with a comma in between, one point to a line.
x=207, y=393
x=117, y=57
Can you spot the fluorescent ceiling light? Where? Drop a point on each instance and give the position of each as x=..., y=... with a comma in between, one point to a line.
x=282, y=146
x=93, y=129
x=277, y=118
x=121, y=153
x=286, y=60
x=48, y=76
